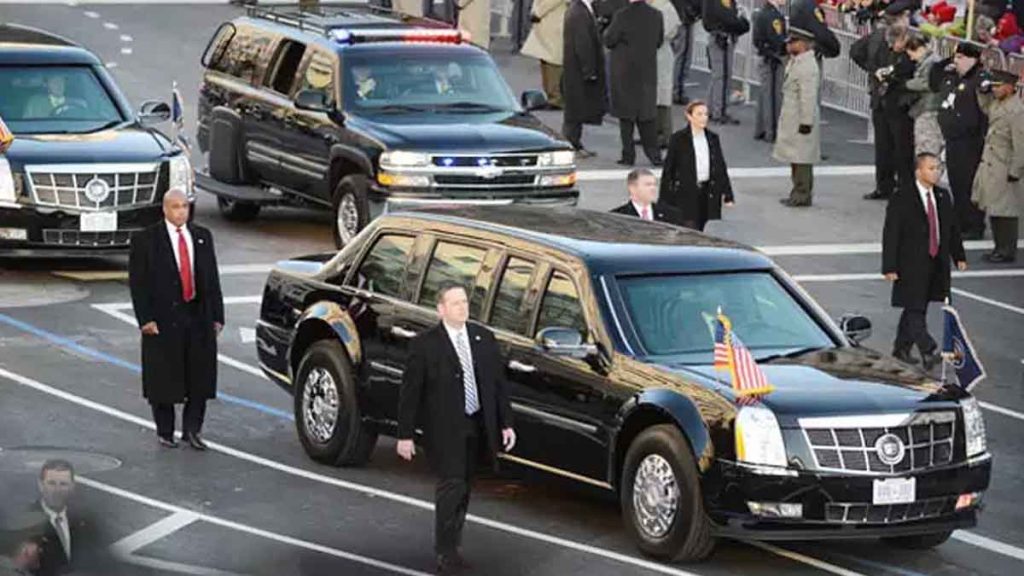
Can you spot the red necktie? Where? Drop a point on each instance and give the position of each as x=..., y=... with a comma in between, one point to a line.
x=185, y=269
x=646, y=213
x=933, y=227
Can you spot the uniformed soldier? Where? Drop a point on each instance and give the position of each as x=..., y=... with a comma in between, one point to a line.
x=806, y=15
x=545, y=44
x=963, y=125
x=724, y=25
x=997, y=186
x=799, y=138
x=474, y=16
x=925, y=110
x=770, y=43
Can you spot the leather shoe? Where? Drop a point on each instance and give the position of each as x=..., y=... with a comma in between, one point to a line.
x=977, y=234
x=876, y=195
x=451, y=563
x=167, y=442
x=904, y=356
x=931, y=359
x=582, y=153
x=730, y=120
x=195, y=441
x=999, y=258
x=791, y=203
x=624, y=162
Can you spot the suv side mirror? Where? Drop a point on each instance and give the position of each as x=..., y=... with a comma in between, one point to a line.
x=312, y=100
x=154, y=112
x=564, y=342
x=533, y=100
x=856, y=327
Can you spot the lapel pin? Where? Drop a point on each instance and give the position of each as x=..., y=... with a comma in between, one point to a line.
x=477, y=338
x=201, y=241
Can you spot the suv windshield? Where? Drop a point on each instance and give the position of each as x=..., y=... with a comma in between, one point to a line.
x=465, y=83
x=674, y=315
x=55, y=100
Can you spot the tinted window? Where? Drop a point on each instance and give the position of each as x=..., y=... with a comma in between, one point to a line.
x=242, y=55
x=281, y=76
x=55, y=99
x=507, y=312
x=214, y=56
x=319, y=74
x=453, y=263
x=384, y=267
x=561, y=306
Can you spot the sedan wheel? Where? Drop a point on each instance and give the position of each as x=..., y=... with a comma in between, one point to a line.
x=655, y=496
x=320, y=405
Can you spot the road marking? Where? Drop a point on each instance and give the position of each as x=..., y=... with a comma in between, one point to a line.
x=91, y=14
x=126, y=50
x=989, y=301
x=619, y=175
x=126, y=38
x=854, y=248
x=803, y=558
x=176, y=567
x=152, y=533
x=989, y=544
x=111, y=65
x=1001, y=410
x=110, y=26
x=245, y=269
x=859, y=276
x=247, y=335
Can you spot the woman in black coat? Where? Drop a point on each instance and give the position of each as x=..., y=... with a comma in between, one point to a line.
x=698, y=199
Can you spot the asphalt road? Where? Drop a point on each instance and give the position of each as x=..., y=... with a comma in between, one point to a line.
x=256, y=505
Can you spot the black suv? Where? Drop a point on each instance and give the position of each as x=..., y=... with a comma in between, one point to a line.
x=84, y=171
x=356, y=110
x=605, y=322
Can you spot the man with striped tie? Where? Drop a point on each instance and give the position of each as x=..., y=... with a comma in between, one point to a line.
x=454, y=390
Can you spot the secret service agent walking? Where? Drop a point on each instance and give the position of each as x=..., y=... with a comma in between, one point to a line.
x=454, y=390
x=799, y=138
x=175, y=286
x=724, y=25
x=770, y=43
x=920, y=238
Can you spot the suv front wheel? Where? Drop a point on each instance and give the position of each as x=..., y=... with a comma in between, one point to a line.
x=351, y=208
x=236, y=211
x=661, y=498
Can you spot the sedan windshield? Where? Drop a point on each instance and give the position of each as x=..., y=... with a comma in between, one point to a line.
x=429, y=83
x=674, y=315
x=55, y=100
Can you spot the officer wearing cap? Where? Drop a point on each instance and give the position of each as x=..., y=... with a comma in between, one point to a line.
x=997, y=185
x=963, y=125
x=770, y=42
x=724, y=25
x=799, y=139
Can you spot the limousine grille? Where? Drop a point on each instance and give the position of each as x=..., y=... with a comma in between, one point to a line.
x=91, y=239
x=93, y=187
x=844, y=444
x=864, y=513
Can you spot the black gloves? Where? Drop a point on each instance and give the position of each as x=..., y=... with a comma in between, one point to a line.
x=804, y=129
x=534, y=18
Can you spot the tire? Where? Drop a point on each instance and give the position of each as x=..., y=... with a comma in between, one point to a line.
x=237, y=211
x=919, y=542
x=348, y=442
x=351, y=208
x=685, y=535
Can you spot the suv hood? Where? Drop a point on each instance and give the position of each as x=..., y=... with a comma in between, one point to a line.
x=128, y=144
x=466, y=133
x=840, y=381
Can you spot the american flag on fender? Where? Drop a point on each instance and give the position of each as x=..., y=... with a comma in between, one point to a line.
x=733, y=356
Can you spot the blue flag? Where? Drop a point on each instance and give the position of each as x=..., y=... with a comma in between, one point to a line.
x=177, y=108
x=958, y=350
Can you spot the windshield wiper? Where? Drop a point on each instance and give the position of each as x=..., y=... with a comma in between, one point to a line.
x=791, y=354
x=470, y=106
x=395, y=108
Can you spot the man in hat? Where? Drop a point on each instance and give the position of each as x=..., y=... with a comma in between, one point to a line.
x=799, y=137
x=770, y=42
x=997, y=185
x=963, y=124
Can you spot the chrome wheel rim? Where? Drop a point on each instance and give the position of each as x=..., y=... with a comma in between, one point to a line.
x=320, y=405
x=655, y=496
x=347, y=218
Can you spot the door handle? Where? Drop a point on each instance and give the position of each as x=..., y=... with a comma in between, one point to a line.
x=520, y=367
x=402, y=332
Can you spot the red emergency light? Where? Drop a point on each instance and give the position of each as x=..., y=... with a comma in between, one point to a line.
x=418, y=35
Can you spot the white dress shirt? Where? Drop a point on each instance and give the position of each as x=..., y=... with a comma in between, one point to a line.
x=60, y=527
x=453, y=335
x=702, y=156
x=925, y=192
x=640, y=210
x=172, y=232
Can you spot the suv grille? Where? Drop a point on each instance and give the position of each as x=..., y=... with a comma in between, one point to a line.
x=68, y=186
x=76, y=238
x=500, y=161
x=478, y=181
x=862, y=513
x=845, y=444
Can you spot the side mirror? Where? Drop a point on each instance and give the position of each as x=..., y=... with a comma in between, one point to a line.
x=533, y=100
x=564, y=342
x=856, y=327
x=312, y=100
x=154, y=112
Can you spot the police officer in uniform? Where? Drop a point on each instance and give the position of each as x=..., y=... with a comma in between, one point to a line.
x=682, y=47
x=806, y=15
x=770, y=43
x=724, y=25
x=963, y=125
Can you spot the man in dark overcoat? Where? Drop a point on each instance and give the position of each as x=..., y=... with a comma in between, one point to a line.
x=453, y=389
x=583, y=79
x=175, y=286
x=633, y=37
x=920, y=240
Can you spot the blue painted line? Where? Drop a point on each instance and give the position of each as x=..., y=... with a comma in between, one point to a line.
x=69, y=344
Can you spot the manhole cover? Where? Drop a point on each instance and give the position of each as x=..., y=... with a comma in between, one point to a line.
x=29, y=460
x=20, y=289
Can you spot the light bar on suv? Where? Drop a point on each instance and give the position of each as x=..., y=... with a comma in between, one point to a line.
x=426, y=35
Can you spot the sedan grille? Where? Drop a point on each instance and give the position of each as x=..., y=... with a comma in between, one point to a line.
x=853, y=444
x=863, y=513
x=93, y=187
x=77, y=238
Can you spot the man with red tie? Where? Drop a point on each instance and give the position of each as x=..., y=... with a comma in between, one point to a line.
x=920, y=241
x=175, y=286
x=643, y=191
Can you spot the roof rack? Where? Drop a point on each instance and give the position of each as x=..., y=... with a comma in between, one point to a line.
x=324, y=17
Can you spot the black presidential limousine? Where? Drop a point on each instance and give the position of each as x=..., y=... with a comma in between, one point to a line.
x=605, y=322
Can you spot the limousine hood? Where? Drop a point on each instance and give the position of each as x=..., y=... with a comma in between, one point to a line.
x=129, y=144
x=836, y=382
x=466, y=133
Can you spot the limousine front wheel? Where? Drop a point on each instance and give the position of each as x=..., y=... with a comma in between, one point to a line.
x=661, y=499
x=327, y=412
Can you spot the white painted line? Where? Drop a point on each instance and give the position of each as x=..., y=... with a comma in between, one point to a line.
x=126, y=50
x=989, y=544
x=803, y=558
x=126, y=38
x=248, y=335
x=110, y=26
x=860, y=276
x=152, y=533
x=855, y=248
x=176, y=567
x=245, y=269
x=111, y=65
x=989, y=301
x=1001, y=410
x=606, y=175
x=91, y=14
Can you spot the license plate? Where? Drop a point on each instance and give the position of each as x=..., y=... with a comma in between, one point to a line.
x=98, y=222
x=894, y=491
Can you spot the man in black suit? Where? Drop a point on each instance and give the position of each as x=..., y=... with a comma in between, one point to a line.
x=454, y=389
x=175, y=285
x=643, y=191
x=920, y=238
x=52, y=525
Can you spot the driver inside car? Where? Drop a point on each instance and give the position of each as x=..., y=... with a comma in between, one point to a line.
x=49, y=104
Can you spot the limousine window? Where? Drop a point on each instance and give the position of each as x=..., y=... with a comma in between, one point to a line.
x=561, y=306
x=507, y=312
x=457, y=264
x=674, y=314
x=384, y=267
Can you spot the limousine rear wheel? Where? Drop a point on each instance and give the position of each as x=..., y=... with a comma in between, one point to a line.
x=327, y=412
x=919, y=542
x=351, y=208
x=661, y=497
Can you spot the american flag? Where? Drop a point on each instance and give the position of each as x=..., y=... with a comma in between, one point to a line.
x=733, y=356
x=6, y=137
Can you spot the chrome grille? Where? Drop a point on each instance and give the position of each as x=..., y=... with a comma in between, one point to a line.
x=864, y=513
x=64, y=185
x=847, y=443
x=77, y=238
x=473, y=161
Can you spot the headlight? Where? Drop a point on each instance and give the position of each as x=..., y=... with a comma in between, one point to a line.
x=974, y=427
x=557, y=158
x=181, y=175
x=403, y=159
x=759, y=438
x=8, y=192
x=402, y=180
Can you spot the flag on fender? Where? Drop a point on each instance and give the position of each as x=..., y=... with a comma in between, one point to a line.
x=6, y=137
x=958, y=350
x=733, y=356
x=177, y=108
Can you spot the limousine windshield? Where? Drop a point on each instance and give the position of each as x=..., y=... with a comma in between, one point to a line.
x=674, y=315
